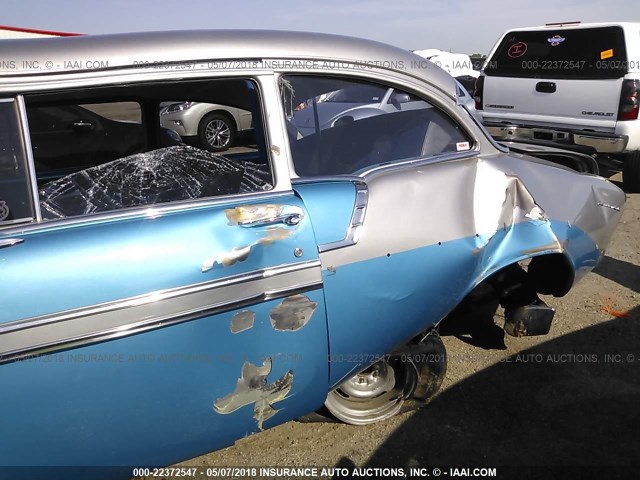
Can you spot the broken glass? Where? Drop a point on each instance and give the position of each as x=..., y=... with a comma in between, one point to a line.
x=165, y=175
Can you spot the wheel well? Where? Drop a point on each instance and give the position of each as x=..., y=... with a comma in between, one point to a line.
x=224, y=113
x=551, y=274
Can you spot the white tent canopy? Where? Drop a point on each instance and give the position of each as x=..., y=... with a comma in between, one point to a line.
x=456, y=64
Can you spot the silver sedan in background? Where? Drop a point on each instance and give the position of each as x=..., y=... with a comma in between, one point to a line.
x=212, y=126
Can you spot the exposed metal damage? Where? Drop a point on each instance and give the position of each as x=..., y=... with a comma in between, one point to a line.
x=252, y=387
x=293, y=313
x=242, y=321
x=252, y=213
x=240, y=254
x=501, y=200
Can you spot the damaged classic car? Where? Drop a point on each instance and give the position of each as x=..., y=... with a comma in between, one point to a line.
x=160, y=301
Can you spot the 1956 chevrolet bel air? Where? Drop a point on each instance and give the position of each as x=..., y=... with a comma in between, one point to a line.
x=159, y=301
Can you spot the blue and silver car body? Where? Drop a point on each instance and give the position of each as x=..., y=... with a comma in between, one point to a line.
x=152, y=334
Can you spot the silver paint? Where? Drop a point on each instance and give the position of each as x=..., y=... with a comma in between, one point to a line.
x=473, y=196
x=252, y=387
x=293, y=313
x=242, y=321
x=129, y=50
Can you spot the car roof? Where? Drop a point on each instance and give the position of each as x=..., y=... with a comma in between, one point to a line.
x=128, y=49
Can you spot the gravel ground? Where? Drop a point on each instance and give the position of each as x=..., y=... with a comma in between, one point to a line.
x=566, y=399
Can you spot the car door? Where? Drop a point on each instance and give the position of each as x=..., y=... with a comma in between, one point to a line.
x=146, y=336
x=396, y=253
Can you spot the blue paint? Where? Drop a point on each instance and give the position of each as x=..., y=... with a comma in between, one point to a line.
x=149, y=399
x=61, y=268
x=374, y=306
x=330, y=205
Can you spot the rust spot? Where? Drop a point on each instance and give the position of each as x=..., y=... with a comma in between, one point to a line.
x=293, y=313
x=242, y=321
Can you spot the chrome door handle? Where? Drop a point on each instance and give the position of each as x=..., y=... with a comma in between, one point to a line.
x=286, y=218
x=10, y=242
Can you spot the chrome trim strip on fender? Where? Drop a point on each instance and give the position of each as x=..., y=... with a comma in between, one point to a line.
x=357, y=219
x=48, y=333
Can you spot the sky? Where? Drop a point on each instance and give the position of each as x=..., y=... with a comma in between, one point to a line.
x=462, y=26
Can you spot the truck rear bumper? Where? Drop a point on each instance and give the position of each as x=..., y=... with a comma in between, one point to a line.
x=600, y=142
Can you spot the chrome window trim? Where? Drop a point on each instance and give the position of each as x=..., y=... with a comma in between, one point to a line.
x=28, y=150
x=149, y=212
x=426, y=91
x=280, y=177
x=118, y=76
x=420, y=161
x=328, y=178
x=135, y=307
x=15, y=221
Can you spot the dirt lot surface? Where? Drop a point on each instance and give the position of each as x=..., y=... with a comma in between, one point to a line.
x=571, y=398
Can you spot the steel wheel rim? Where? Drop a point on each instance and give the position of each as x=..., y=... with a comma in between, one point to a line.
x=371, y=396
x=217, y=133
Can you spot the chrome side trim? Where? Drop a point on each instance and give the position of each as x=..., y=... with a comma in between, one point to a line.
x=87, y=325
x=357, y=219
x=10, y=242
x=28, y=150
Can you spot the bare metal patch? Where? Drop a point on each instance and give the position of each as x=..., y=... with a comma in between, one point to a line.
x=293, y=313
x=240, y=254
x=502, y=200
x=252, y=213
x=252, y=387
x=242, y=321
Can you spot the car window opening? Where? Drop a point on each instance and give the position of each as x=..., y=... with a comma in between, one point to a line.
x=339, y=126
x=107, y=148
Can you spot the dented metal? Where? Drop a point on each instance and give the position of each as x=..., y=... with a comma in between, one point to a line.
x=252, y=387
x=240, y=254
x=293, y=313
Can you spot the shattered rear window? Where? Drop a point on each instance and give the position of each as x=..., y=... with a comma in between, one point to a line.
x=165, y=175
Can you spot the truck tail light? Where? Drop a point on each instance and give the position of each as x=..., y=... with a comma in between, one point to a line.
x=477, y=93
x=629, y=100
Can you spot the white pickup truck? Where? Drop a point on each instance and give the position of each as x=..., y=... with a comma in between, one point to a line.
x=570, y=85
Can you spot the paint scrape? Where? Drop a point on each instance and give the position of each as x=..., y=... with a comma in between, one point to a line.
x=252, y=213
x=240, y=254
x=293, y=313
x=252, y=387
x=242, y=321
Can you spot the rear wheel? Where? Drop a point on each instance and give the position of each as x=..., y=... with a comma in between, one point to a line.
x=631, y=172
x=379, y=392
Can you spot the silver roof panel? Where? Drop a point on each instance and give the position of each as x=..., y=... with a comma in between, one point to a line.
x=61, y=55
